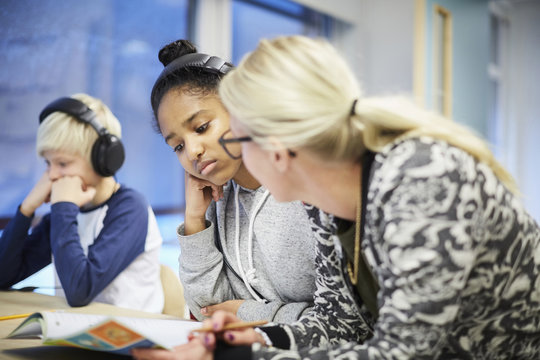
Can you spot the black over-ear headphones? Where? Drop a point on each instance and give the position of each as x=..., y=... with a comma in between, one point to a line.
x=107, y=152
x=196, y=60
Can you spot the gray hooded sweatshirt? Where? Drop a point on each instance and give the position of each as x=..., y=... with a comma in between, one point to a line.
x=279, y=245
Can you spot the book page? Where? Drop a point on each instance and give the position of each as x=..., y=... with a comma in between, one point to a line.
x=62, y=324
x=106, y=333
x=166, y=333
x=30, y=328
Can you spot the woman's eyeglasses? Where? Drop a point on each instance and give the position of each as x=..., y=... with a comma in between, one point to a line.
x=231, y=144
x=232, y=147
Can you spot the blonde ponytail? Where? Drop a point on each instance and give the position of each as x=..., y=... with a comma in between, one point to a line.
x=387, y=119
x=300, y=90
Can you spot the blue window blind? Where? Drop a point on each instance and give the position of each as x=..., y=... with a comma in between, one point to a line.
x=108, y=49
x=256, y=19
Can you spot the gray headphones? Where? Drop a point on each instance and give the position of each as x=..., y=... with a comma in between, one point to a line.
x=196, y=60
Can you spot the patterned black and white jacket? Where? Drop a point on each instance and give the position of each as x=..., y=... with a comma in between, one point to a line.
x=456, y=256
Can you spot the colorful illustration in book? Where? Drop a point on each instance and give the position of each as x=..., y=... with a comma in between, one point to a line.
x=116, y=334
x=86, y=341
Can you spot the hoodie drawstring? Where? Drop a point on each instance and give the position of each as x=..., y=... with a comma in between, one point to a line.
x=249, y=276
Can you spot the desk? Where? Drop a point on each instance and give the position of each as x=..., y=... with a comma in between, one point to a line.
x=15, y=302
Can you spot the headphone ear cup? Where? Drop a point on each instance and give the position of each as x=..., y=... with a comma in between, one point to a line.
x=107, y=155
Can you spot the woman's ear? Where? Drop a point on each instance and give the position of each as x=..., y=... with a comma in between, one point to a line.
x=279, y=156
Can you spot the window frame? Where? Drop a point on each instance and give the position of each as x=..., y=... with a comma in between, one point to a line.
x=442, y=60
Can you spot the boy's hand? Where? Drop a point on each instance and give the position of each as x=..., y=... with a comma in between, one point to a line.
x=39, y=194
x=72, y=189
x=199, y=194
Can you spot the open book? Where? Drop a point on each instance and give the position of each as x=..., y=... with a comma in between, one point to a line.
x=114, y=334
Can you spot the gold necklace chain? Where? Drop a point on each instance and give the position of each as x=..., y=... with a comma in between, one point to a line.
x=353, y=273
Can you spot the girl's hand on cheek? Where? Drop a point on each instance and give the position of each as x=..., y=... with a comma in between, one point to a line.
x=199, y=195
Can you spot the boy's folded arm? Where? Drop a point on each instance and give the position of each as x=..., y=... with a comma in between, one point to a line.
x=23, y=254
x=120, y=241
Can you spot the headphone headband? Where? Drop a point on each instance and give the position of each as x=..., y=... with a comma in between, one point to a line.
x=75, y=108
x=196, y=60
x=108, y=151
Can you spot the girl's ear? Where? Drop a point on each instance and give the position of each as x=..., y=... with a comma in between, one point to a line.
x=279, y=156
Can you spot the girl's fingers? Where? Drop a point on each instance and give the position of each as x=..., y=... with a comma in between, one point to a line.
x=220, y=191
x=217, y=191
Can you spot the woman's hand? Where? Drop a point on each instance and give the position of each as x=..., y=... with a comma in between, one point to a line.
x=201, y=346
x=231, y=306
x=244, y=336
x=199, y=194
x=193, y=350
x=40, y=194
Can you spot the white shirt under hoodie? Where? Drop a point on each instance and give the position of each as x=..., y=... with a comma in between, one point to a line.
x=277, y=257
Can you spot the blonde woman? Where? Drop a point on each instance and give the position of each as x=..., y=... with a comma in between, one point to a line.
x=428, y=253
x=102, y=235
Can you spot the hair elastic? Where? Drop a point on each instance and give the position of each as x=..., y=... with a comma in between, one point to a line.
x=353, y=107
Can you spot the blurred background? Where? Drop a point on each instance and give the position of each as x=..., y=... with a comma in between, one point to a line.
x=477, y=61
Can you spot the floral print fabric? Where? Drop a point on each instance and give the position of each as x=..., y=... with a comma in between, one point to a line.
x=456, y=256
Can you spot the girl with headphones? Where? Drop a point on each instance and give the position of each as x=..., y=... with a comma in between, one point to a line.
x=240, y=250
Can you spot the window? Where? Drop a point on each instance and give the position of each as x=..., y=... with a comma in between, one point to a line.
x=256, y=19
x=108, y=49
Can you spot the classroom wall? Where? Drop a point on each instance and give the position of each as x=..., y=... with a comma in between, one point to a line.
x=345, y=10
x=377, y=39
x=382, y=38
x=387, y=44
x=523, y=127
x=470, y=58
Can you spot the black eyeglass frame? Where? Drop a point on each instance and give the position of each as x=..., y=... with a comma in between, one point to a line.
x=223, y=142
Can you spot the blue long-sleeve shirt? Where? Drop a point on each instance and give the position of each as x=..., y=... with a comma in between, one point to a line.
x=109, y=253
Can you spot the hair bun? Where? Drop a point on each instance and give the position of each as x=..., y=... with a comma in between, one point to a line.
x=174, y=50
